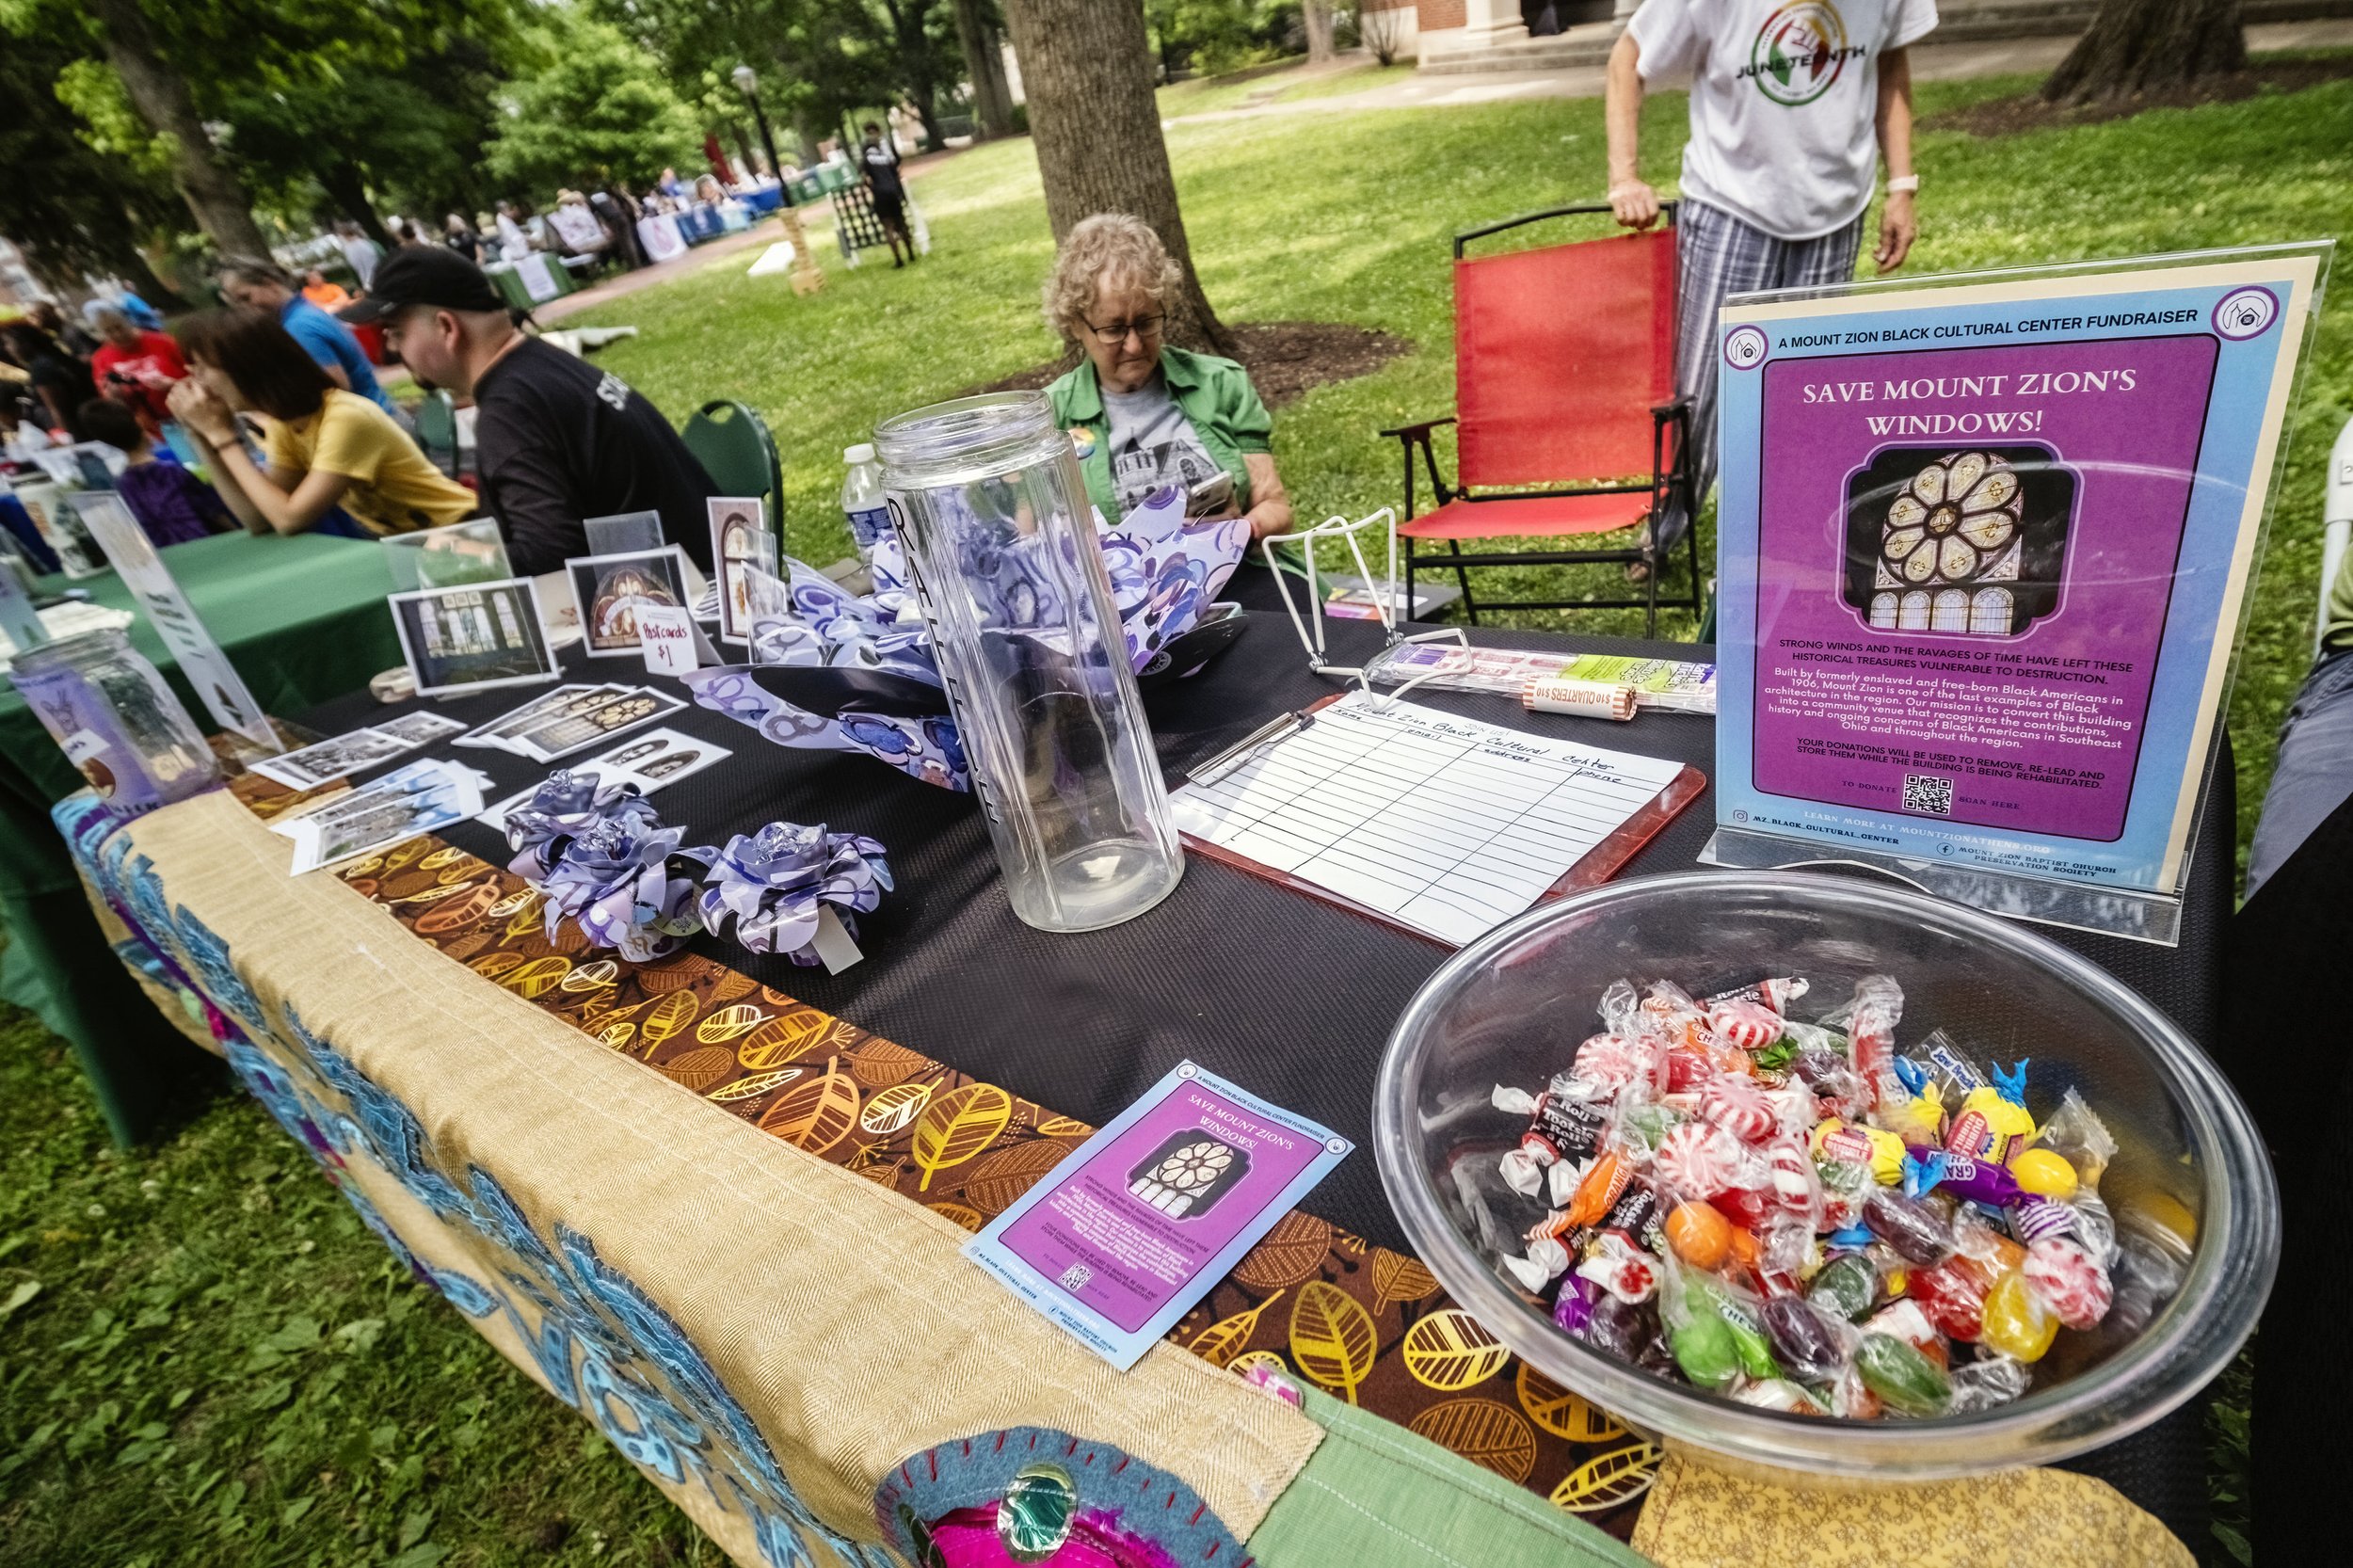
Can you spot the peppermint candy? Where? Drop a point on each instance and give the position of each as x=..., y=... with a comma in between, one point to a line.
x=1793, y=1176
x=1698, y=1159
x=1608, y=1059
x=2069, y=1281
x=1741, y=1108
x=1744, y=1025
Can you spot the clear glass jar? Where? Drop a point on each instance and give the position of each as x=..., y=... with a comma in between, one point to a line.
x=1001, y=551
x=117, y=721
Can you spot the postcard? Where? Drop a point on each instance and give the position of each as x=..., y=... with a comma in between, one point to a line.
x=609, y=589
x=739, y=538
x=330, y=759
x=474, y=636
x=421, y=727
x=1136, y=1224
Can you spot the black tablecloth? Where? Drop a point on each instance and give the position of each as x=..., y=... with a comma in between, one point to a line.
x=1290, y=997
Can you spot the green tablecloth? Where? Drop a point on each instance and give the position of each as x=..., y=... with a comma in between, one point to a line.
x=303, y=619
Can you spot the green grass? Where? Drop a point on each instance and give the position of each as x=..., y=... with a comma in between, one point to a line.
x=204, y=1358
x=218, y=1365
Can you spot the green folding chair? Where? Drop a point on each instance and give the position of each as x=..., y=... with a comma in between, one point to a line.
x=735, y=448
x=437, y=431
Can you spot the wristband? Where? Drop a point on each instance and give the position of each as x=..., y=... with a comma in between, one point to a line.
x=1904, y=183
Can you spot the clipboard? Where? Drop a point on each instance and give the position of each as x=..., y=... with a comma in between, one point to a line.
x=1597, y=864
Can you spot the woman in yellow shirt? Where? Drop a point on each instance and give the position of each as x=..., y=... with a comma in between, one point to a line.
x=325, y=447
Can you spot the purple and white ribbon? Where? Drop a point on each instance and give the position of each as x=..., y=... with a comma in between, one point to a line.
x=768, y=886
x=927, y=748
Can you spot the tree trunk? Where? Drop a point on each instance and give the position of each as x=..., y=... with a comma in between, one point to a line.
x=215, y=198
x=2145, y=45
x=1316, y=15
x=149, y=284
x=1087, y=68
x=348, y=188
x=984, y=63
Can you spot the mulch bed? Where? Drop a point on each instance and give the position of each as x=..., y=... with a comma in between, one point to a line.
x=2004, y=117
x=1286, y=358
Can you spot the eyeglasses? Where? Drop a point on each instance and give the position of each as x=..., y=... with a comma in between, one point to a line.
x=1113, y=334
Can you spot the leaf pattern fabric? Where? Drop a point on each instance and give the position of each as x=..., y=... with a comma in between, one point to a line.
x=1310, y=1301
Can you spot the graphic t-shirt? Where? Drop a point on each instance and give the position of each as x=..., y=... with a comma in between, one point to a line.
x=145, y=374
x=882, y=167
x=1785, y=94
x=1152, y=443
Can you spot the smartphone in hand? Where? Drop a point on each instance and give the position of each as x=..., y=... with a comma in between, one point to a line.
x=1211, y=496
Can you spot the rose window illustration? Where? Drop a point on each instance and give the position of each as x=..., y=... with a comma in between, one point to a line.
x=1188, y=1174
x=614, y=616
x=1967, y=542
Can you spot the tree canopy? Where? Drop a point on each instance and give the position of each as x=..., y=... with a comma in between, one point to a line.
x=600, y=108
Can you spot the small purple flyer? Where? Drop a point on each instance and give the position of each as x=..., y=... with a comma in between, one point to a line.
x=1136, y=1224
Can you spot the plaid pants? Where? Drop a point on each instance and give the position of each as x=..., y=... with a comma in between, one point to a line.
x=1716, y=255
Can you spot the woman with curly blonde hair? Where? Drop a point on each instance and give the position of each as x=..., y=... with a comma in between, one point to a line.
x=1143, y=414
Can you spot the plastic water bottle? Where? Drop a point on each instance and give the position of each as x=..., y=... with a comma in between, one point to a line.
x=862, y=500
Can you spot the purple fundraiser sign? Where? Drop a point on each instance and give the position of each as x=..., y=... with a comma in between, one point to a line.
x=1136, y=1224
x=1969, y=617
x=1983, y=548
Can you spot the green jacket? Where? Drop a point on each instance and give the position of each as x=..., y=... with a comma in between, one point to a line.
x=1214, y=395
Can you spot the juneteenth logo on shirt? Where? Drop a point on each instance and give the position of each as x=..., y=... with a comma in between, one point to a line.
x=1800, y=53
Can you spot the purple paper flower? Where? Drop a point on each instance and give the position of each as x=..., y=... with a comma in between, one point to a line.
x=602, y=857
x=771, y=884
x=560, y=809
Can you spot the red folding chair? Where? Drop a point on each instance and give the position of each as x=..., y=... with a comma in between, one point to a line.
x=1563, y=375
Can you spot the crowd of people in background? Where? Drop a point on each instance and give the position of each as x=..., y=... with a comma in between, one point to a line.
x=267, y=415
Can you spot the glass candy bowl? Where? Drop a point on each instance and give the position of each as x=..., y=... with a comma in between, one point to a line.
x=2189, y=1180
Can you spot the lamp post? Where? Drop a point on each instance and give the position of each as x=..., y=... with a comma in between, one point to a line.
x=807, y=278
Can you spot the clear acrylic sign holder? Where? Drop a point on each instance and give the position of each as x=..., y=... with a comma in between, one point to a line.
x=1920, y=476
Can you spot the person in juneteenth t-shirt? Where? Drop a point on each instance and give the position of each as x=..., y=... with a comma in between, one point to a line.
x=1792, y=109
x=556, y=439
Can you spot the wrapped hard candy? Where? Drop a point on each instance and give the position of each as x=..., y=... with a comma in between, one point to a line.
x=1573, y=1311
x=1739, y=1106
x=1698, y=1160
x=1810, y=1342
x=1628, y=1275
x=1986, y=1382
x=2069, y=1281
x=1904, y=1380
x=1846, y=1285
x=1611, y=1061
x=1619, y=1328
x=2017, y=1324
x=1912, y=1229
x=1744, y=1025
x=1952, y=1293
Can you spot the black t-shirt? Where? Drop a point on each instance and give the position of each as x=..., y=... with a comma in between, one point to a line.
x=68, y=377
x=882, y=167
x=558, y=440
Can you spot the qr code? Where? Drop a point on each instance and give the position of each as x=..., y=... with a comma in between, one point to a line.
x=1074, y=1278
x=1925, y=792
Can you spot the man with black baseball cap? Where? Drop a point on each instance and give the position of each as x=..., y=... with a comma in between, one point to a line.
x=556, y=439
